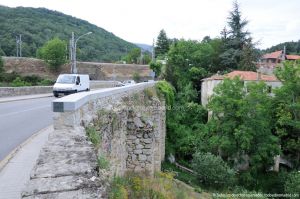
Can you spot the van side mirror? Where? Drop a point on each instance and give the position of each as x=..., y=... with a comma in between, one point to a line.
x=77, y=82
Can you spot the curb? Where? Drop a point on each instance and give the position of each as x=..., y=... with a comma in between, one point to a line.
x=24, y=98
x=4, y=162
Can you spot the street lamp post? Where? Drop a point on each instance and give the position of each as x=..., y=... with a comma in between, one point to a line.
x=73, y=51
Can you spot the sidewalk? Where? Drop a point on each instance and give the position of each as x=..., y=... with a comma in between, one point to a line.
x=16, y=172
x=24, y=97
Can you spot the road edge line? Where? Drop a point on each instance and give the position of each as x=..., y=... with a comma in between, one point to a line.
x=12, y=154
x=29, y=98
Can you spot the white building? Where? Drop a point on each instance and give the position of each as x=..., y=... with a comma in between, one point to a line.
x=208, y=84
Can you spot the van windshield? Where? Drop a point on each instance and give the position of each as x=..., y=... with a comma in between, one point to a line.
x=66, y=79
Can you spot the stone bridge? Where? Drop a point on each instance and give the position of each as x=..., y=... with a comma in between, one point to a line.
x=127, y=128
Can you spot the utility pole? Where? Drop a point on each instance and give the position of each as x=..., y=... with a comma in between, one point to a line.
x=20, y=43
x=142, y=57
x=153, y=51
x=17, y=45
x=72, y=54
x=73, y=50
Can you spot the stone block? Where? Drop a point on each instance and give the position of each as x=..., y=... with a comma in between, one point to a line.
x=137, y=122
x=148, y=146
x=147, y=141
x=137, y=151
x=142, y=157
x=147, y=151
x=137, y=141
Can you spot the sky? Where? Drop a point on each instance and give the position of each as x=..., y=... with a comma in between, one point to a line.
x=139, y=21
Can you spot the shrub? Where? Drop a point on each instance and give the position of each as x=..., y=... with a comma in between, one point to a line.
x=136, y=77
x=212, y=170
x=167, y=90
x=45, y=82
x=292, y=184
x=9, y=77
x=32, y=79
x=18, y=82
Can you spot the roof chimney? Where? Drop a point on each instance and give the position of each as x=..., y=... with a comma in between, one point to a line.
x=284, y=53
x=258, y=74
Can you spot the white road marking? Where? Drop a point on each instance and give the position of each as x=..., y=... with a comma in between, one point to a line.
x=18, y=112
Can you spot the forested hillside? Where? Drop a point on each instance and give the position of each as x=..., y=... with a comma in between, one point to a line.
x=292, y=47
x=38, y=25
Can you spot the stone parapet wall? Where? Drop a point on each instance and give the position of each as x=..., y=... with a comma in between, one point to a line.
x=131, y=125
x=26, y=90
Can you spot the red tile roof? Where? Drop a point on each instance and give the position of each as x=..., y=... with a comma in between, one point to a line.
x=244, y=75
x=250, y=76
x=292, y=57
x=273, y=55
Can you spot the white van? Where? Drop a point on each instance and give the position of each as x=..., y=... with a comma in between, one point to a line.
x=71, y=83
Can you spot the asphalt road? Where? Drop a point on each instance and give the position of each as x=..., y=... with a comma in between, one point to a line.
x=21, y=119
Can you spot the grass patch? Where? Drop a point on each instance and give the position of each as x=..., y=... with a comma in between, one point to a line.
x=93, y=135
x=102, y=162
x=162, y=186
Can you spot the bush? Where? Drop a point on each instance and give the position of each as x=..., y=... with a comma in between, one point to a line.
x=18, y=82
x=292, y=184
x=9, y=77
x=167, y=90
x=136, y=77
x=212, y=170
x=33, y=79
x=45, y=82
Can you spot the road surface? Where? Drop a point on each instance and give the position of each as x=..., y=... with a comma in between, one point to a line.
x=21, y=119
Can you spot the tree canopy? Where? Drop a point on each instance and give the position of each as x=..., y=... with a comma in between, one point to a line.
x=54, y=53
x=238, y=49
x=162, y=44
x=287, y=106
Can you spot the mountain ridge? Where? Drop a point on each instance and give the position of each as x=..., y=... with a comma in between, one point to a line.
x=39, y=25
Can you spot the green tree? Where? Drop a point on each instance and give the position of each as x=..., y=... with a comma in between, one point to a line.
x=156, y=67
x=133, y=56
x=287, y=105
x=241, y=125
x=238, y=47
x=54, y=53
x=162, y=44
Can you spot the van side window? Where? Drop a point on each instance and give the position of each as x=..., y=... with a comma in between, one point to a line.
x=78, y=79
